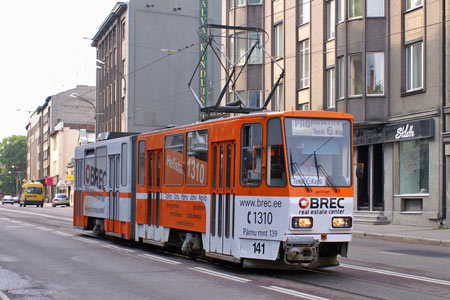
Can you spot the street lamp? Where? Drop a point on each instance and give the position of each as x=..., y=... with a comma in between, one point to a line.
x=75, y=95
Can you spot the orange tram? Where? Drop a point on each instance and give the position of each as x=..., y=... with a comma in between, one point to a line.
x=270, y=189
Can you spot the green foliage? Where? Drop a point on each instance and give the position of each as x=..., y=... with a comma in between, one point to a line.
x=13, y=163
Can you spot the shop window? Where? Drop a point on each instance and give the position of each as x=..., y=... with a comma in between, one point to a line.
x=413, y=167
x=197, y=157
x=174, y=160
x=251, y=154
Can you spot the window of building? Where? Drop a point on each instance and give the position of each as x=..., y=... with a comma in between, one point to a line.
x=304, y=11
x=355, y=8
x=197, y=157
x=253, y=38
x=241, y=47
x=331, y=97
x=414, y=66
x=375, y=8
x=340, y=77
x=251, y=154
x=411, y=4
x=413, y=167
x=355, y=80
x=254, y=2
x=279, y=103
x=303, y=106
x=231, y=48
x=254, y=98
x=340, y=10
x=230, y=4
x=279, y=41
x=303, y=64
x=240, y=3
x=174, y=159
x=141, y=163
x=331, y=19
x=375, y=73
x=276, y=170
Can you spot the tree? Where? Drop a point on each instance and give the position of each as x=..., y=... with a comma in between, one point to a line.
x=13, y=163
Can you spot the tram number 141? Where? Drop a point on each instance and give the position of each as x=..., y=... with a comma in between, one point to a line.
x=259, y=248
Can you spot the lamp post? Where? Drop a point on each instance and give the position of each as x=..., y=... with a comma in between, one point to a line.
x=75, y=95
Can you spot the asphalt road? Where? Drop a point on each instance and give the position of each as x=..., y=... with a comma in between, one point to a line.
x=42, y=257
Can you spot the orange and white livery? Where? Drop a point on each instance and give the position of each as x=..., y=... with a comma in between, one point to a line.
x=265, y=189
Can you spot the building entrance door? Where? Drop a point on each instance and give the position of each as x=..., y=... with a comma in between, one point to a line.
x=370, y=196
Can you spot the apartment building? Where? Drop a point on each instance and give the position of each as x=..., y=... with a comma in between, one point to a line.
x=53, y=133
x=382, y=61
x=147, y=52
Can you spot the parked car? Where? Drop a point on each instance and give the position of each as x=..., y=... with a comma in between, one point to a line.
x=7, y=199
x=60, y=199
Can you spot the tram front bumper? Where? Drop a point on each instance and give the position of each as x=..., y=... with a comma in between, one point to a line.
x=301, y=249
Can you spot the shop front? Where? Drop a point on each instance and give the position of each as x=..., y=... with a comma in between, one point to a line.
x=402, y=170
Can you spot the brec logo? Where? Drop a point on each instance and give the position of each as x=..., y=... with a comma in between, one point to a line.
x=321, y=203
x=303, y=203
x=95, y=176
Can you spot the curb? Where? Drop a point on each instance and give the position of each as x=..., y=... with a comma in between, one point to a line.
x=400, y=238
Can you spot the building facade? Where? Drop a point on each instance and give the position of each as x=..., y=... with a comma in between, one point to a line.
x=146, y=55
x=382, y=61
x=53, y=134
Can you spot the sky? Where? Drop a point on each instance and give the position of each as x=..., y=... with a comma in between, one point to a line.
x=45, y=50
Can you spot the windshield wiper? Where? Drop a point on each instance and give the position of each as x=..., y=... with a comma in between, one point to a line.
x=296, y=170
x=319, y=169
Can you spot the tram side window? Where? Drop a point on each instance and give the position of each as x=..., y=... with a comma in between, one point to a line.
x=197, y=157
x=100, y=171
x=141, y=163
x=251, y=154
x=173, y=166
x=124, y=160
x=276, y=170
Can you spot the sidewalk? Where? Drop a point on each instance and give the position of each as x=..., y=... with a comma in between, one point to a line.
x=402, y=233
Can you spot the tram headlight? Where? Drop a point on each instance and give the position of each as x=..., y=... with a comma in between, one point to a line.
x=342, y=222
x=302, y=222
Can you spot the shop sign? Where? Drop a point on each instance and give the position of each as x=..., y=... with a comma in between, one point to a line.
x=409, y=130
x=368, y=136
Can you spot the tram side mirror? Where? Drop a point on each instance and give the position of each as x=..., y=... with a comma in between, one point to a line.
x=360, y=171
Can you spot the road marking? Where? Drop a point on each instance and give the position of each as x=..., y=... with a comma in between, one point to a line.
x=160, y=259
x=85, y=240
x=62, y=233
x=37, y=214
x=222, y=275
x=391, y=253
x=293, y=293
x=117, y=248
x=402, y=275
x=43, y=228
x=29, y=225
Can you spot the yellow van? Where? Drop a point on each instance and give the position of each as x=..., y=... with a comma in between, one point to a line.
x=32, y=194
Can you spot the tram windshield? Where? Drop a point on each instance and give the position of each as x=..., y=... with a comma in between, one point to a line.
x=319, y=152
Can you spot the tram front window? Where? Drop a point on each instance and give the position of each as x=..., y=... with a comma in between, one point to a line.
x=319, y=152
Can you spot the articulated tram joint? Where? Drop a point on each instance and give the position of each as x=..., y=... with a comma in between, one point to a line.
x=301, y=249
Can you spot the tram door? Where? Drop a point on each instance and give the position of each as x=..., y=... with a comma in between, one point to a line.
x=114, y=178
x=222, y=198
x=154, y=193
